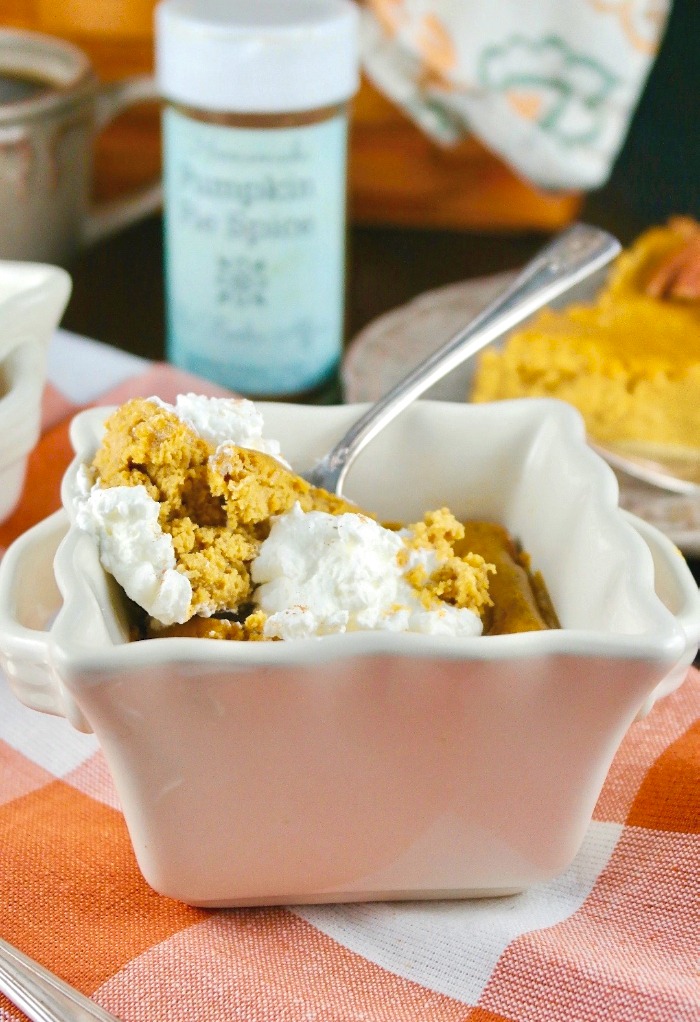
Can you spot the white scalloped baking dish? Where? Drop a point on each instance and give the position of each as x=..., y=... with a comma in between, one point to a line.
x=371, y=765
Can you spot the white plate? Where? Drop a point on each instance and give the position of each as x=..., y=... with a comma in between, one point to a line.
x=390, y=346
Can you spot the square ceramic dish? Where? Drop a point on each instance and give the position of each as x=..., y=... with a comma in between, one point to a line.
x=371, y=765
x=32, y=299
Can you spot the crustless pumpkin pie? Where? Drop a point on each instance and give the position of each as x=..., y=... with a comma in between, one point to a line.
x=630, y=362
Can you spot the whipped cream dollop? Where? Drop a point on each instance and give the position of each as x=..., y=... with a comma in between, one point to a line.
x=317, y=574
x=223, y=420
x=123, y=520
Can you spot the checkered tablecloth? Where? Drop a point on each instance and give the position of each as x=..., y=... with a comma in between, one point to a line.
x=616, y=937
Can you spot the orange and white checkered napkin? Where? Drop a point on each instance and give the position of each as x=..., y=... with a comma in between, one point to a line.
x=617, y=937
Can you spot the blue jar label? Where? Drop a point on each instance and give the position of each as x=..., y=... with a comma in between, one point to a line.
x=254, y=251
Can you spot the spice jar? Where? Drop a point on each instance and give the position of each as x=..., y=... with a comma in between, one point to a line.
x=254, y=185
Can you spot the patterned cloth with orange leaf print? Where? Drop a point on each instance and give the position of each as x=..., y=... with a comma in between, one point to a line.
x=550, y=87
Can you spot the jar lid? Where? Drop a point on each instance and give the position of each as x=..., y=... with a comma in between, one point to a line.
x=257, y=56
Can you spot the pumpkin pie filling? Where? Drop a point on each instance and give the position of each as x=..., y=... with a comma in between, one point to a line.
x=630, y=362
x=211, y=538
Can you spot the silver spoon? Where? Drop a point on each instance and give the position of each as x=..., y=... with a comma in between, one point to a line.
x=42, y=996
x=575, y=254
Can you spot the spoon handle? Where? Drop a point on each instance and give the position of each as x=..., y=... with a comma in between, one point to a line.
x=574, y=255
x=42, y=996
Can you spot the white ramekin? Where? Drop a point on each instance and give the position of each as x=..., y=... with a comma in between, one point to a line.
x=371, y=765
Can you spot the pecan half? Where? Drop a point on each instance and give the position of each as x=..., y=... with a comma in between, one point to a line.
x=678, y=275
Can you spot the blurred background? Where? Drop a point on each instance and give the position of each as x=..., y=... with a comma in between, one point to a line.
x=421, y=214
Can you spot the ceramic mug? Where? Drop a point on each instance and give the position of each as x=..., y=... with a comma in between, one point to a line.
x=51, y=108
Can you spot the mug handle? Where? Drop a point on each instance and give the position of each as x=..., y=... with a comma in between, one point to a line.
x=111, y=216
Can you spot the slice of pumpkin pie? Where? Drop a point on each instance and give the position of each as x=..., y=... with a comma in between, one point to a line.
x=630, y=362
